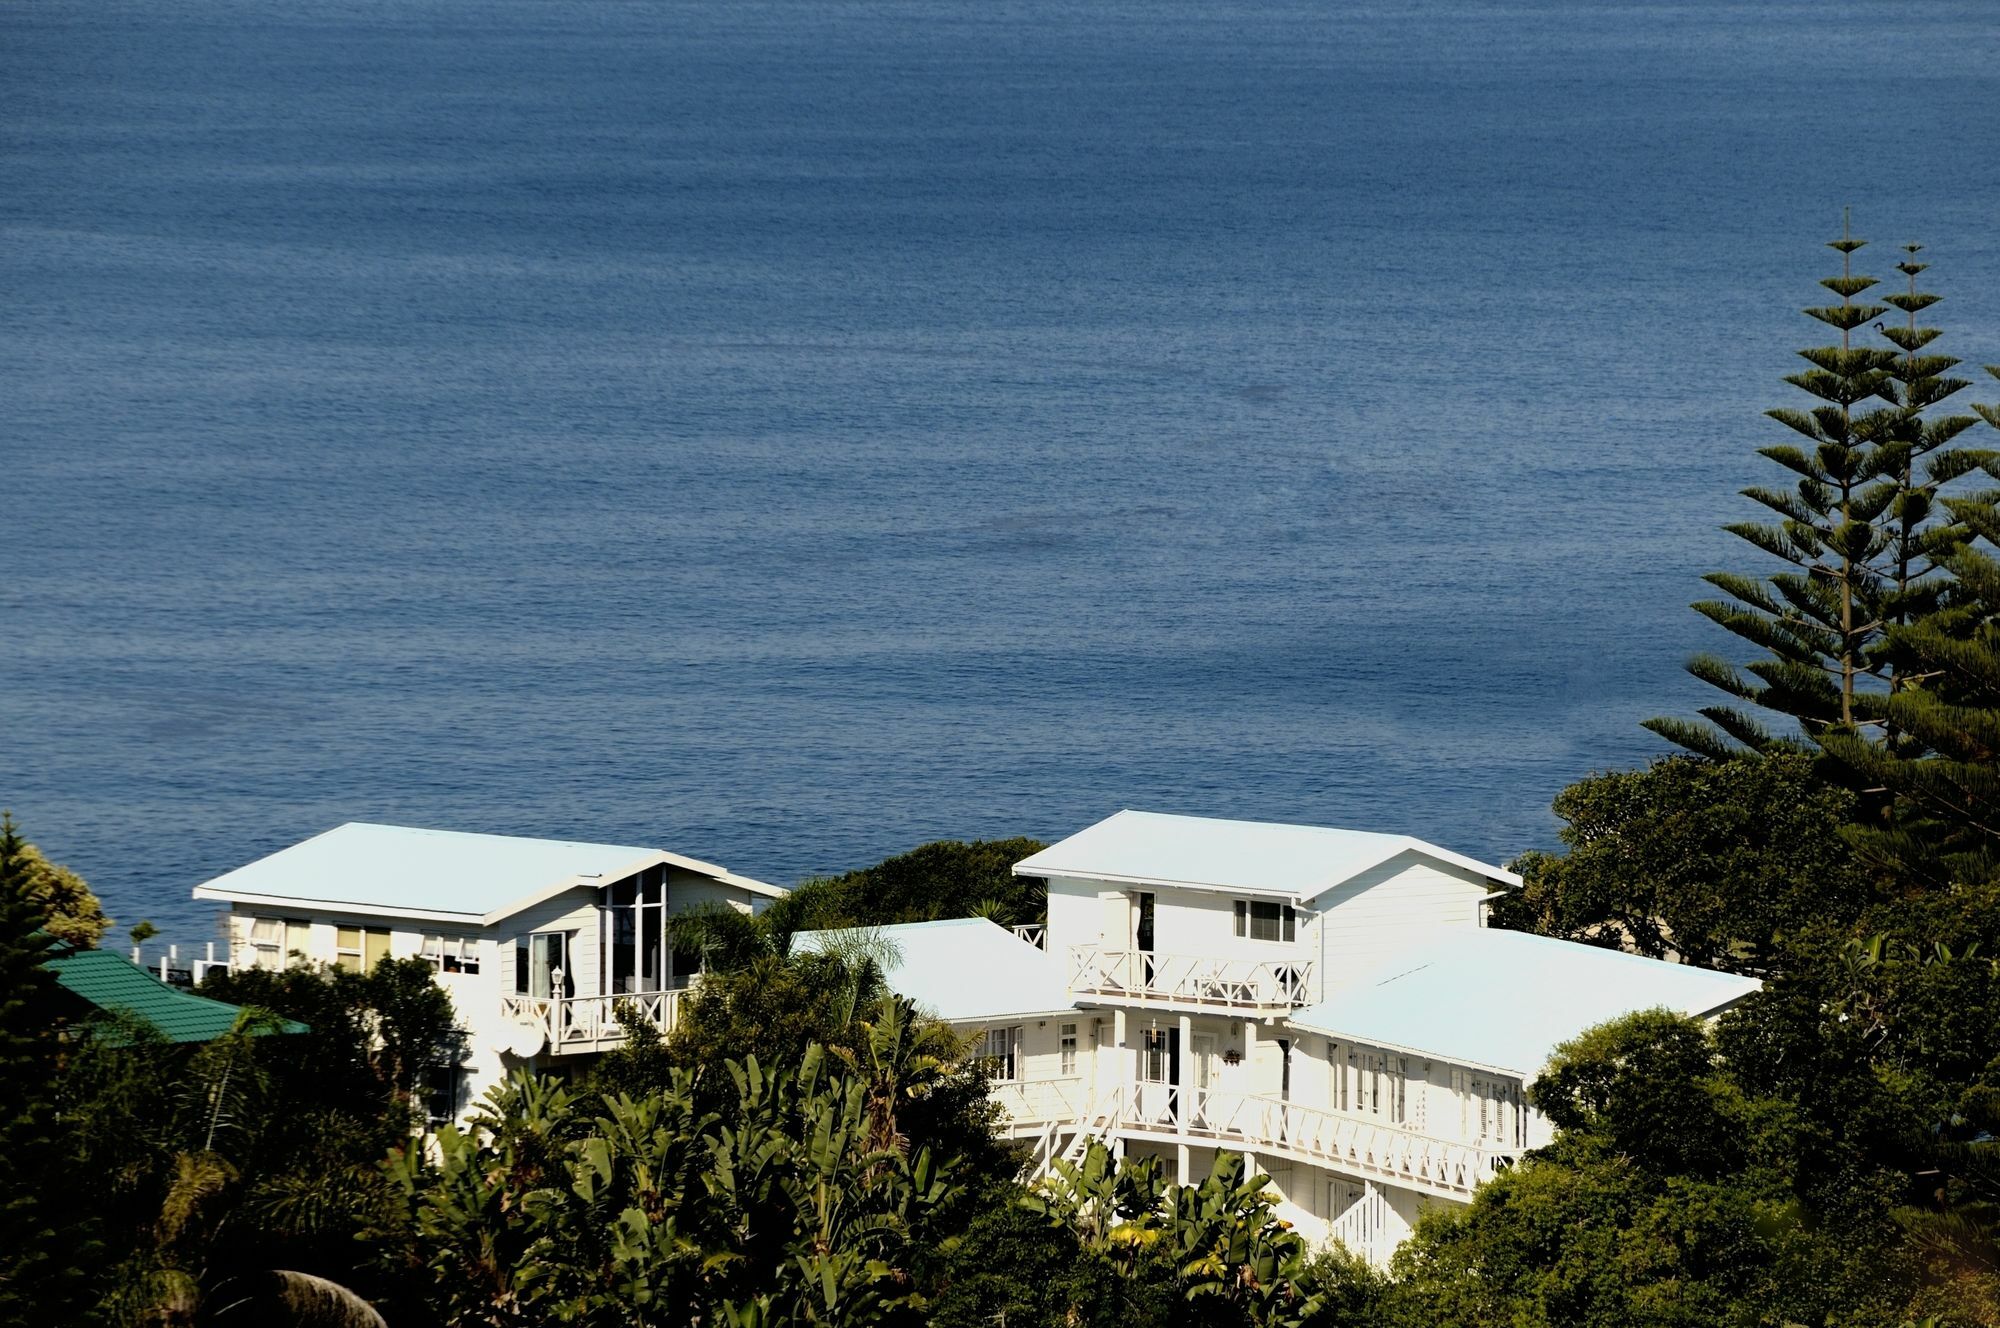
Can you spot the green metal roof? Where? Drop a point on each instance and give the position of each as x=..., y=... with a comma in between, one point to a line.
x=112, y=982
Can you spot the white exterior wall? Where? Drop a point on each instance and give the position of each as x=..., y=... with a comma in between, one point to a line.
x=476, y=997
x=1379, y=909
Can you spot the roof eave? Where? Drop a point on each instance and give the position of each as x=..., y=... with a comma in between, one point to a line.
x=1428, y=1053
x=335, y=906
x=1121, y=878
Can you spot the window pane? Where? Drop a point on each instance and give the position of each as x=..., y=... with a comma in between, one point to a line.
x=624, y=950
x=650, y=960
x=1264, y=921
x=377, y=948
x=1242, y=911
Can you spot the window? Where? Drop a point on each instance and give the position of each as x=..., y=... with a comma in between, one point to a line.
x=267, y=940
x=633, y=932
x=540, y=963
x=1379, y=1084
x=275, y=942
x=441, y=1092
x=1490, y=1112
x=1159, y=1055
x=1000, y=1051
x=1263, y=920
x=359, y=949
x=452, y=954
x=1066, y=1044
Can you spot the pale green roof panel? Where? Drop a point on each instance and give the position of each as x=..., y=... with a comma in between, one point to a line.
x=1505, y=999
x=430, y=871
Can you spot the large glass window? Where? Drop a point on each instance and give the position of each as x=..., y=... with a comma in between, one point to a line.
x=634, y=932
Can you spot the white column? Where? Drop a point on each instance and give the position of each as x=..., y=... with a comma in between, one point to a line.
x=1124, y=1069
x=1181, y=1163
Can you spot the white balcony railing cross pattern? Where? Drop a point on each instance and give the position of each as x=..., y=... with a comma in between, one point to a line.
x=1242, y=984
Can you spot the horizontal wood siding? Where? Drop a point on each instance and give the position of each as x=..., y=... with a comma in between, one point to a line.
x=1377, y=911
x=573, y=911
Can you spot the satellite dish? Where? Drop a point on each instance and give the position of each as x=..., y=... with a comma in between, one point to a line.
x=523, y=1040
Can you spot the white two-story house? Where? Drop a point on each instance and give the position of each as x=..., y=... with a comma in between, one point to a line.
x=1328, y=1001
x=535, y=939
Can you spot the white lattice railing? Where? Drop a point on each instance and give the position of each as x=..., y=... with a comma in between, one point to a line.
x=1042, y=1101
x=586, y=1023
x=1356, y=1146
x=1238, y=984
x=1034, y=933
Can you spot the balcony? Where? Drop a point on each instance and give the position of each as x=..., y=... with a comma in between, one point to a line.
x=1146, y=977
x=1252, y=1123
x=589, y=1023
x=1034, y=933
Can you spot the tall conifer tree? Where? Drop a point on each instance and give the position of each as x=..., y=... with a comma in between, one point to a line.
x=1861, y=529
x=36, y=1277
x=1944, y=771
x=1920, y=459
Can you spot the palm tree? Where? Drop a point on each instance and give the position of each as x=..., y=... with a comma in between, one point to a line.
x=900, y=1056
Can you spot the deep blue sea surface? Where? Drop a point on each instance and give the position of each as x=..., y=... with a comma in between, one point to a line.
x=790, y=431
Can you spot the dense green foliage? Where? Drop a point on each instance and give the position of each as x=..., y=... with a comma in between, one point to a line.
x=1712, y=863
x=1672, y=1196
x=947, y=879
x=69, y=911
x=36, y=1268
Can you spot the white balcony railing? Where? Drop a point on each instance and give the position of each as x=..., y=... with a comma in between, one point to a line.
x=1234, y=984
x=1042, y=1102
x=1252, y=1123
x=1034, y=933
x=590, y=1023
x=1330, y=1138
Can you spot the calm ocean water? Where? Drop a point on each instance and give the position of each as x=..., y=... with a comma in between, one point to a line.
x=787, y=432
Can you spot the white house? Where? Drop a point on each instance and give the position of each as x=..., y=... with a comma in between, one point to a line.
x=534, y=938
x=1327, y=1001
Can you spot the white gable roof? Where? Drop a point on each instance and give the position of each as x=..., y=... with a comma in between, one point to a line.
x=961, y=970
x=401, y=871
x=1505, y=999
x=1299, y=861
